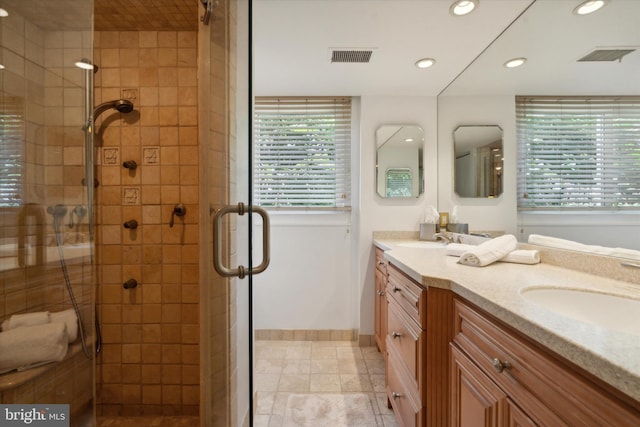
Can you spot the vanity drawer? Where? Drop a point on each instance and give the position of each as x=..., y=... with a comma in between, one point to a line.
x=381, y=261
x=406, y=405
x=408, y=294
x=408, y=342
x=553, y=391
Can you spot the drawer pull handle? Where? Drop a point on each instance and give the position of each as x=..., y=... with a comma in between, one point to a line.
x=380, y=262
x=500, y=366
x=396, y=289
x=396, y=334
x=395, y=395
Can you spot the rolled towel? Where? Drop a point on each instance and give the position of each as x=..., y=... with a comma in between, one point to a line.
x=26, y=319
x=69, y=318
x=489, y=252
x=32, y=346
x=522, y=256
x=457, y=249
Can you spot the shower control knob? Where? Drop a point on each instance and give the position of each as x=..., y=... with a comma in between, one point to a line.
x=130, y=164
x=130, y=284
x=132, y=224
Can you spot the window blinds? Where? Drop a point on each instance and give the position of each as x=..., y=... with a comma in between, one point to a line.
x=11, y=154
x=578, y=152
x=302, y=152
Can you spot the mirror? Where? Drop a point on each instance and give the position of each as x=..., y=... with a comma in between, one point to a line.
x=399, y=172
x=556, y=44
x=478, y=161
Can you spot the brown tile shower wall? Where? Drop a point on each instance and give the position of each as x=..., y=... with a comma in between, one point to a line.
x=150, y=358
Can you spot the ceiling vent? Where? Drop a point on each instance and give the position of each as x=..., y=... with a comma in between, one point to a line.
x=605, y=55
x=351, y=56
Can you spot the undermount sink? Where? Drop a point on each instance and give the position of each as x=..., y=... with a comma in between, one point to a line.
x=422, y=244
x=615, y=312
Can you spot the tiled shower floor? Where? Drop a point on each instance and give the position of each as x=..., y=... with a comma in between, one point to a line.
x=287, y=367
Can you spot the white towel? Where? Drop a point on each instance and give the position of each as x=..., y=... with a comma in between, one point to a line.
x=522, y=256
x=555, y=242
x=69, y=318
x=32, y=345
x=457, y=249
x=26, y=319
x=489, y=252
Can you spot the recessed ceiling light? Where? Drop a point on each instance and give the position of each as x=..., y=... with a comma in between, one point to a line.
x=3, y=13
x=463, y=7
x=408, y=140
x=589, y=6
x=1, y=67
x=85, y=64
x=515, y=62
x=425, y=62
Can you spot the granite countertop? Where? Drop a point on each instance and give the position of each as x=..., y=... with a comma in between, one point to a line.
x=611, y=355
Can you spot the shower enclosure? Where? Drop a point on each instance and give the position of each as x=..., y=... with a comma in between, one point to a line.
x=45, y=247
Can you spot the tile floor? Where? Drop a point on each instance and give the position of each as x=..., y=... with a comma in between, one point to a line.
x=286, y=367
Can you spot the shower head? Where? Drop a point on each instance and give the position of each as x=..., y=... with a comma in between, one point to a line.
x=122, y=105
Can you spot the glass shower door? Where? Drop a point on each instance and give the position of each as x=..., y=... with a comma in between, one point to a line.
x=46, y=267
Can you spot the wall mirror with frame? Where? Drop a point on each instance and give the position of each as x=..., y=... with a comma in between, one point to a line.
x=399, y=163
x=478, y=162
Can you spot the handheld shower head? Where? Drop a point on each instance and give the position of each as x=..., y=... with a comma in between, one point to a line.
x=121, y=105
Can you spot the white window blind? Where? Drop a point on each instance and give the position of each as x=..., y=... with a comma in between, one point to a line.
x=578, y=152
x=302, y=152
x=11, y=151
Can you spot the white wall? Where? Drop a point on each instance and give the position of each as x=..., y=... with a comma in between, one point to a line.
x=376, y=213
x=499, y=214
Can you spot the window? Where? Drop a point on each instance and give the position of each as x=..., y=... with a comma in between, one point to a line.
x=302, y=152
x=11, y=154
x=399, y=182
x=578, y=152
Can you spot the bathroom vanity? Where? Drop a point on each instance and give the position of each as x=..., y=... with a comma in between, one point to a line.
x=464, y=346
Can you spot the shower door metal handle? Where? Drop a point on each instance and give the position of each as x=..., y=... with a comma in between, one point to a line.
x=239, y=271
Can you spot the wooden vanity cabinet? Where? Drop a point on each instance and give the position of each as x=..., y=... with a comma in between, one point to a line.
x=380, y=300
x=500, y=378
x=419, y=330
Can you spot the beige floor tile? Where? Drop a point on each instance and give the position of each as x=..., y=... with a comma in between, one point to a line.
x=325, y=352
x=354, y=383
x=269, y=366
x=265, y=400
x=296, y=366
x=375, y=366
x=294, y=383
x=266, y=382
x=296, y=352
x=325, y=383
x=324, y=366
x=378, y=382
x=280, y=403
x=350, y=366
x=352, y=353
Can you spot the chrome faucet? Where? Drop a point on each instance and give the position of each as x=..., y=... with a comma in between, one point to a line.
x=447, y=237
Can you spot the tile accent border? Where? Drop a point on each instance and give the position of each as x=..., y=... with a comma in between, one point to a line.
x=312, y=335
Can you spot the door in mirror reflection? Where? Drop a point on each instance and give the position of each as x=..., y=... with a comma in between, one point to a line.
x=399, y=172
x=478, y=161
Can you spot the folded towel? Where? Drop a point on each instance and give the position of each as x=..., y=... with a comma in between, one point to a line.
x=26, y=319
x=32, y=345
x=555, y=242
x=69, y=318
x=457, y=249
x=520, y=256
x=489, y=252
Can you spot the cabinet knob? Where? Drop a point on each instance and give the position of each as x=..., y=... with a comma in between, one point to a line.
x=395, y=334
x=395, y=395
x=500, y=366
x=380, y=293
x=396, y=289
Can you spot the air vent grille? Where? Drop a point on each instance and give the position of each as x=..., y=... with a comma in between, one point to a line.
x=351, y=56
x=604, y=55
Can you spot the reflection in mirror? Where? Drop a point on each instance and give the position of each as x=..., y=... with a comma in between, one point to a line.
x=478, y=161
x=399, y=172
x=565, y=58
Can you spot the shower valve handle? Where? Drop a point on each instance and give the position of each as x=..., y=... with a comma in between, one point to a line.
x=130, y=164
x=131, y=224
x=178, y=210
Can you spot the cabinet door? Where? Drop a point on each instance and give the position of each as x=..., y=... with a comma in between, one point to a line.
x=517, y=418
x=476, y=401
x=381, y=310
